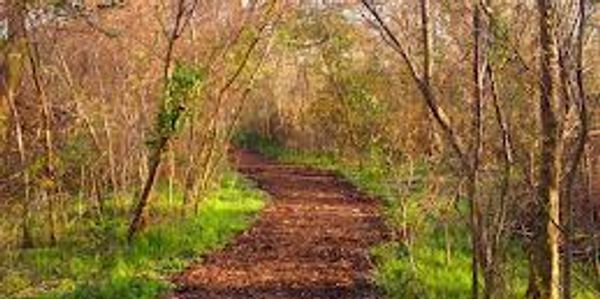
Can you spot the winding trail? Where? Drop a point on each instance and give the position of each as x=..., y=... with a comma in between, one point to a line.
x=312, y=241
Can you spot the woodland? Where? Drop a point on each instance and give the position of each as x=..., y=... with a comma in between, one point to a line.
x=300, y=149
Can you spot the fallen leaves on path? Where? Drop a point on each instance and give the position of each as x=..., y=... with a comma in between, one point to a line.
x=312, y=241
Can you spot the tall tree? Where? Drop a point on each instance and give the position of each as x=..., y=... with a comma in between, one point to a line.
x=544, y=252
x=468, y=155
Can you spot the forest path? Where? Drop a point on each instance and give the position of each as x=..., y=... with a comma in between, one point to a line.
x=312, y=241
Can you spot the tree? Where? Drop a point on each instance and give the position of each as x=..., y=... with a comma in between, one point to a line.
x=580, y=143
x=468, y=157
x=544, y=253
x=11, y=68
x=170, y=112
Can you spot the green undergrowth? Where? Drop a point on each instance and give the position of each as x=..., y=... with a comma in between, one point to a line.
x=93, y=260
x=436, y=262
x=431, y=270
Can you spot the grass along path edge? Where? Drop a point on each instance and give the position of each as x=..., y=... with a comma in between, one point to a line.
x=111, y=269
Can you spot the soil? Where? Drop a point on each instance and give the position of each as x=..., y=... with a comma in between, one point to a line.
x=311, y=241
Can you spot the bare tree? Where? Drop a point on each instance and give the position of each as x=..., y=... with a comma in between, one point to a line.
x=468, y=157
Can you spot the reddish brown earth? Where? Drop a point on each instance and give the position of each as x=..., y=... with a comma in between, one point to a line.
x=312, y=241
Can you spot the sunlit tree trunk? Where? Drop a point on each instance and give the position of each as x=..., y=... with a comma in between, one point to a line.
x=544, y=253
x=26, y=241
x=11, y=68
x=182, y=13
x=110, y=151
x=49, y=188
x=476, y=227
x=138, y=212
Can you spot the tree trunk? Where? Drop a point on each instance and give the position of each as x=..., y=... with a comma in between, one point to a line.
x=138, y=212
x=171, y=174
x=477, y=228
x=11, y=60
x=579, y=151
x=50, y=188
x=544, y=279
x=26, y=241
x=494, y=284
x=424, y=84
x=163, y=139
x=11, y=65
x=110, y=152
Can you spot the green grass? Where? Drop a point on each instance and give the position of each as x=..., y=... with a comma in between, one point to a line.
x=430, y=275
x=93, y=261
x=422, y=268
x=429, y=270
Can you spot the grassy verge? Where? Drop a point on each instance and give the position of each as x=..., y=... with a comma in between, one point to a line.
x=93, y=260
x=436, y=262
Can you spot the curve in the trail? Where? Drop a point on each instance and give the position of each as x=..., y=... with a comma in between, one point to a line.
x=312, y=241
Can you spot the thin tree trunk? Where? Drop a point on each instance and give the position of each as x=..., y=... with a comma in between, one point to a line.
x=26, y=241
x=589, y=188
x=138, y=212
x=171, y=174
x=577, y=155
x=477, y=229
x=424, y=84
x=49, y=190
x=163, y=140
x=494, y=284
x=545, y=258
x=448, y=243
x=426, y=37
x=425, y=87
x=191, y=169
x=82, y=191
x=110, y=151
x=97, y=194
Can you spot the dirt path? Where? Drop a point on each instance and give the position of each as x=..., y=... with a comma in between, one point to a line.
x=312, y=241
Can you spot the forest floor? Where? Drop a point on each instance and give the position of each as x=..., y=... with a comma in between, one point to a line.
x=312, y=241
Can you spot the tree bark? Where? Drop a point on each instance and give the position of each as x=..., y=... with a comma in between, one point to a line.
x=50, y=189
x=477, y=230
x=579, y=151
x=11, y=66
x=181, y=18
x=544, y=253
x=138, y=212
x=497, y=228
x=11, y=60
x=26, y=241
